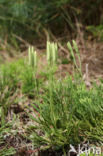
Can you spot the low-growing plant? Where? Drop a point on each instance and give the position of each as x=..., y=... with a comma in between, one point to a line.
x=73, y=49
x=28, y=81
x=32, y=57
x=14, y=76
x=69, y=112
x=52, y=53
x=8, y=86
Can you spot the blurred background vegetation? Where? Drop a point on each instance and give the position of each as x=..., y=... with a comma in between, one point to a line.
x=34, y=21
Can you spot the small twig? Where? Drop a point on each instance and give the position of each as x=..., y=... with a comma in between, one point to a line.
x=86, y=77
x=22, y=40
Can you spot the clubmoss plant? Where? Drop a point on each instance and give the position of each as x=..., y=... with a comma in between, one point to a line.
x=52, y=53
x=69, y=113
x=71, y=50
x=32, y=57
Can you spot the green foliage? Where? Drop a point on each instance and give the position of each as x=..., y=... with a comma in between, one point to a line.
x=73, y=49
x=69, y=114
x=67, y=111
x=97, y=31
x=7, y=76
x=15, y=76
x=5, y=150
x=27, y=18
x=5, y=130
x=8, y=86
x=28, y=81
x=32, y=57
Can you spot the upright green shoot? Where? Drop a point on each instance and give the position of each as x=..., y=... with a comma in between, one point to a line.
x=52, y=53
x=78, y=54
x=75, y=47
x=32, y=57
